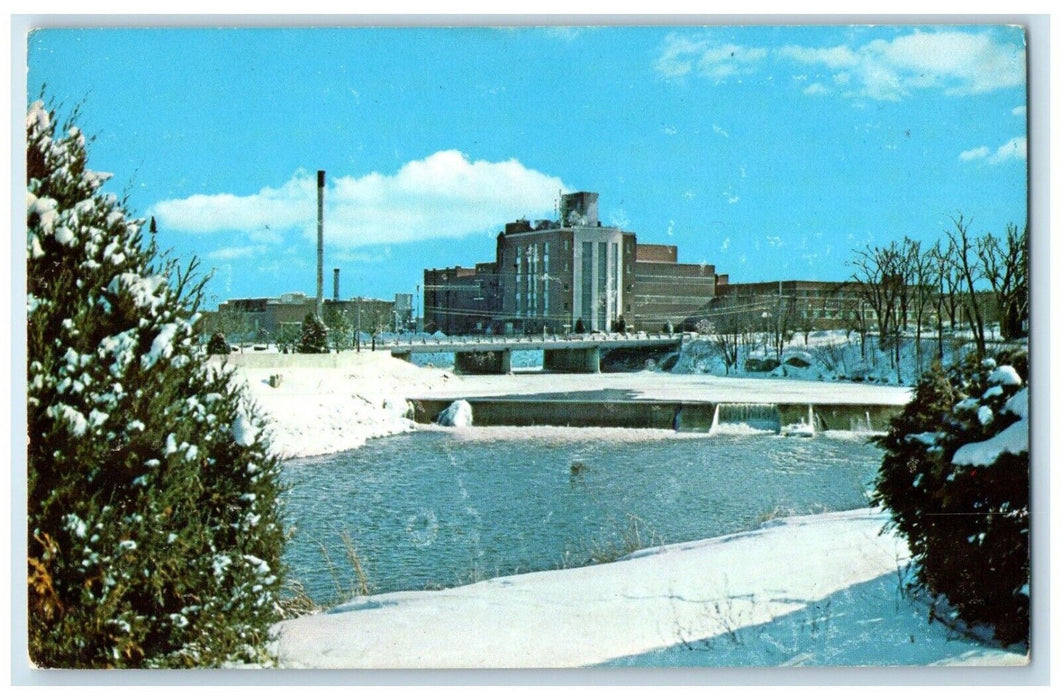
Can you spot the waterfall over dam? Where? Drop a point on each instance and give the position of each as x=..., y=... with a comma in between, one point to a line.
x=682, y=416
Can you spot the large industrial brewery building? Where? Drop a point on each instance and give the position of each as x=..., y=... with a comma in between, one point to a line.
x=550, y=275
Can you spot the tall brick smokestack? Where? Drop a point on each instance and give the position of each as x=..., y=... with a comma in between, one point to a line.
x=320, y=244
x=335, y=284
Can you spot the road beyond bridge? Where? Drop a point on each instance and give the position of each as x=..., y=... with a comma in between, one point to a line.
x=493, y=354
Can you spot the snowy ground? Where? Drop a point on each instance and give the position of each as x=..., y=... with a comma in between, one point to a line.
x=816, y=590
x=324, y=410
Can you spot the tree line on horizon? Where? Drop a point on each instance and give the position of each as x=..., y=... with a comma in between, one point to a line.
x=897, y=291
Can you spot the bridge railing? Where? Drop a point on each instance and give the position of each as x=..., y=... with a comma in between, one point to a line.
x=516, y=340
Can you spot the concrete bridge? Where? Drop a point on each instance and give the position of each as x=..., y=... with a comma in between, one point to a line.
x=570, y=353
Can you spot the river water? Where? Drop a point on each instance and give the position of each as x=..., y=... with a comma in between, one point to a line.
x=443, y=507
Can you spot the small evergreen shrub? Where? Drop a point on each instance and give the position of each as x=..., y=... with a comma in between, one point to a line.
x=154, y=526
x=217, y=344
x=955, y=476
x=314, y=337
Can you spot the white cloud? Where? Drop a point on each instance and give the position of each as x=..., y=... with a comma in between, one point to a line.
x=1019, y=111
x=363, y=256
x=816, y=89
x=677, y=56
x=954, y=61
x=445, y=195
x=957, y=62
x=719, y=130
x=680, y=55
x=236, y=252
x=725, y=245
x=670, y=130
x=975, y=153
x=1014, y=149
x=835, y=58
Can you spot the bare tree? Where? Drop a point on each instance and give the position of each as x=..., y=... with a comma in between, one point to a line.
x=921, y=287
x=852, y=311
x=780, y=318
x=880, y=278
x=803, y=321
x=945, y=298
x=1004, y=262
x=966, y=261
x=725, y=330
x=950, y=284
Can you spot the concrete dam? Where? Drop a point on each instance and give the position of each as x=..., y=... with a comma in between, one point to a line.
x=609, y=411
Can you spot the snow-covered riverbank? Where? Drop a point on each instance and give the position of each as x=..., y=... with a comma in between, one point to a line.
x=813, y=590
x=315, y=411
x=324, y=410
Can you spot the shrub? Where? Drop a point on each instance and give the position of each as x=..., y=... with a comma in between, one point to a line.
x=753, y=364
x=154, y=526
x=217, y=344
x=314, y=337
x=955, y=476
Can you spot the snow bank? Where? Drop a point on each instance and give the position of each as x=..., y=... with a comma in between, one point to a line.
x=804, y=591
x=316, y=411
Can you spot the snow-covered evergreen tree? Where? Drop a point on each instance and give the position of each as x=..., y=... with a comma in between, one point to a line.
x=955, y=477
x=217, y=344
x=314, y=337
x=154, y=524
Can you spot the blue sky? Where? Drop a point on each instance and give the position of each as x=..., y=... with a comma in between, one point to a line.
x=768, y=151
